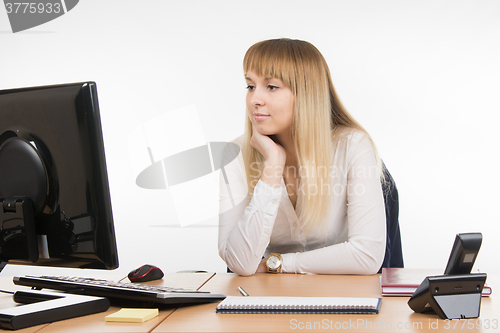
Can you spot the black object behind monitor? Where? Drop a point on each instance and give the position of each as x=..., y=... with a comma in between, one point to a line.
x=55, y=205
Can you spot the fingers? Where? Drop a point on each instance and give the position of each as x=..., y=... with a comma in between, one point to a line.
x=264, y=144
x=274, y=156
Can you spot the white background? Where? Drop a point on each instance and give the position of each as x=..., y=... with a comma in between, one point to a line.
x=421, y=76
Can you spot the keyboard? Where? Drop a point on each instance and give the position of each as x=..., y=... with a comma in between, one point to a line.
x=118, y=290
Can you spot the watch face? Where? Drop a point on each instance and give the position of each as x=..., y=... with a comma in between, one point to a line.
x=273, y=262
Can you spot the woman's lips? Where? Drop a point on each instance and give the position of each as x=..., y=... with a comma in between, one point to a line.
x=260, y=116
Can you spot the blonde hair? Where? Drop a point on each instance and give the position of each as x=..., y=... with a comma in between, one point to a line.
x=318, y=116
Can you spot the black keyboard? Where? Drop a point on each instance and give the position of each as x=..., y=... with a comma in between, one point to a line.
x=119, y=290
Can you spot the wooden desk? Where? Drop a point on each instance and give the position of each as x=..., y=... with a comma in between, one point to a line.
x=395, y=315
x=95, y=323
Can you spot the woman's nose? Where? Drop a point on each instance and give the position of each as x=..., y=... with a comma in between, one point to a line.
x=256, y=102
x=257, y=98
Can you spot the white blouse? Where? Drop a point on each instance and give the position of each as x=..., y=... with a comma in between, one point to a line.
x=353, y=240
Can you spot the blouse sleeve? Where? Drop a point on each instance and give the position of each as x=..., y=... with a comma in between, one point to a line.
x=245, y=224
x=364, y=250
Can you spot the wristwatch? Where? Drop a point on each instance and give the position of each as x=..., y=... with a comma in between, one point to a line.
x=274, y=263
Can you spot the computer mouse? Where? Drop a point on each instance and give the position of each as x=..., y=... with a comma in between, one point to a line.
x=145, y=273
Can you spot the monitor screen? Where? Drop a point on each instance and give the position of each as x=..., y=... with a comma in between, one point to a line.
x=55, y=202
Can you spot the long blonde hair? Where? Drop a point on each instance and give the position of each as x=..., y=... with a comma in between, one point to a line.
x=318, y=115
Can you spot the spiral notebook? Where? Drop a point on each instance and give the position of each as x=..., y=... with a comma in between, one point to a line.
x=251, y=304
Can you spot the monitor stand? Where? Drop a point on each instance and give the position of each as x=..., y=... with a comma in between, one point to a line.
x=17, y=230
x=46, y=307
x=18, y=241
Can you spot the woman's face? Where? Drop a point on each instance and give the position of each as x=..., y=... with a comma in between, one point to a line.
x=269, y=104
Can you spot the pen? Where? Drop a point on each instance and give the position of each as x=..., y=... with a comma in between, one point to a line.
x=243, y=292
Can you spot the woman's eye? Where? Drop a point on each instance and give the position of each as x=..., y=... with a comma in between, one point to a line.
x=271, y=87
x=249, y=87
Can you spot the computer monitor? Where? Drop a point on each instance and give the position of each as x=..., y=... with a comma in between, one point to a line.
x=55, y=206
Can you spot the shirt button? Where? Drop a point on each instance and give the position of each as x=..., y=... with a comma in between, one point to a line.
x=275, y=202
x=266, y=230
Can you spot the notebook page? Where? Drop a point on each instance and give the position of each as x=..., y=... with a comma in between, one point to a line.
x=235, y=302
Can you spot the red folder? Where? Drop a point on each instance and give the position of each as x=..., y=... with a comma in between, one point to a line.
x=404, y=281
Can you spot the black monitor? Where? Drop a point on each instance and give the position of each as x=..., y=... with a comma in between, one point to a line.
x=55, y=206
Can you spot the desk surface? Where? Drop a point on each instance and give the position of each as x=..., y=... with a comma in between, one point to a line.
x=95, y=322
x=395, y=315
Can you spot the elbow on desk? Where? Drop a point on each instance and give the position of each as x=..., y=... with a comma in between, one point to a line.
x=370, y=269
x=369, y=265
x=240, y=269
x=243, y=272
x=236, y=267
x=367, y=256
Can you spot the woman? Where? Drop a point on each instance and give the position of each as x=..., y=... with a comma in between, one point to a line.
x=305, y=195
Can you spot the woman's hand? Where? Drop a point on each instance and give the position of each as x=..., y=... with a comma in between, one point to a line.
x=274, y=155
x=262, y=267
x=272, y=152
